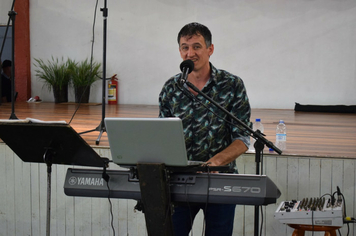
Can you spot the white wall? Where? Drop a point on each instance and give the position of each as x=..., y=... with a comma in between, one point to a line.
x=285, y=51
x=5, y=7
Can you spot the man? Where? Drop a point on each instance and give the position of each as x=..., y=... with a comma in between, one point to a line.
x=209, y=134
x=6, y=80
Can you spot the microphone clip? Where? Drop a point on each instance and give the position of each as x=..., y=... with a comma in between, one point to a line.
x=184, y=76
x=186, y=67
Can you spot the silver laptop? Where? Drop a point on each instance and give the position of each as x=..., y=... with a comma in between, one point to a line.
x=146, y=140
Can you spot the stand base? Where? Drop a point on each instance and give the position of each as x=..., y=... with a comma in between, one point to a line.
x=13, y=117
x=101, y=128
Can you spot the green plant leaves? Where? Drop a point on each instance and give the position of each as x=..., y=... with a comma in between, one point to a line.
x=59, y=73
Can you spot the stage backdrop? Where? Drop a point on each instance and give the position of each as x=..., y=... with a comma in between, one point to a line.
x=285, y=51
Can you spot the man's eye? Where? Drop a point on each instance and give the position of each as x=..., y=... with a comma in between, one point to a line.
x=184, y=48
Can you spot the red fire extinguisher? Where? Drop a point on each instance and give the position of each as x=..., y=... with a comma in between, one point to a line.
x=112, y=90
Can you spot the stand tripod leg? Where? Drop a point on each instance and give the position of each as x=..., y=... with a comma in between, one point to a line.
x=101, y=128
x=99, y=137
x=88, y=131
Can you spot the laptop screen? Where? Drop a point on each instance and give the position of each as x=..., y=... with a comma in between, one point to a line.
x=146, y=140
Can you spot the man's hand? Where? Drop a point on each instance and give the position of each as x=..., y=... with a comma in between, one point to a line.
x=233, y=151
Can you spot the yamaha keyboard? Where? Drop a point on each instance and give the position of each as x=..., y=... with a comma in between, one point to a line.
x=184, y=187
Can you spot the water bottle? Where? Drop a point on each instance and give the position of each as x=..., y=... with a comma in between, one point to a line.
x=257, y=125
x=281, y=136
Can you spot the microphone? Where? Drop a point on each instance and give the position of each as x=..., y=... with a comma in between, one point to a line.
x=186, y=67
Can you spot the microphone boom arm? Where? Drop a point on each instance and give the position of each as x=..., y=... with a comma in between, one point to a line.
x=256, y=135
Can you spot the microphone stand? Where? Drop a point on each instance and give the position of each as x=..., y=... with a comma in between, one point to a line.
x=12, y=15
x=261, y=141
x=101, y=128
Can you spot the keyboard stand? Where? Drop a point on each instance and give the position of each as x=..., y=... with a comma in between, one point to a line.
x=155, y=197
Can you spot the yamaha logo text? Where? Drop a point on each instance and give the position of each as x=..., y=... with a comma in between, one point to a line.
x=86, y=181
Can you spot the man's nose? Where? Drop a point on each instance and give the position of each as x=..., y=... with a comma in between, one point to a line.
x=190, y=52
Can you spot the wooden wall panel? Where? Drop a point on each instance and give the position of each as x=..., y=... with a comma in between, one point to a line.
x=24, y=196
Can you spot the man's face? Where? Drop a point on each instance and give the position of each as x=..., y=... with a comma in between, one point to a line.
x=194, y=48
x=7, y=71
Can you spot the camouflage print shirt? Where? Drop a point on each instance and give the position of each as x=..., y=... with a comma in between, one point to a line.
x=206, y=130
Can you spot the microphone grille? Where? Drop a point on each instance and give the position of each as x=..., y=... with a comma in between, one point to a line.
x=187, y=64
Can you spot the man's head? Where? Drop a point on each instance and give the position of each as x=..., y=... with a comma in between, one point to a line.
x=6, y=64
x=6, y=67
x=191, y=29
x=195, y=44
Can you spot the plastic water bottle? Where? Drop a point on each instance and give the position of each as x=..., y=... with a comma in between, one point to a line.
x=281, y=136
x=257, y=125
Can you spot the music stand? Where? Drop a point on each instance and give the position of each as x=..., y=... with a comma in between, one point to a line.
x=49, y=143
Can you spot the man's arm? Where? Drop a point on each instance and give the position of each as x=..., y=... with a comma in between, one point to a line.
x=241, y=109
x=233, y=151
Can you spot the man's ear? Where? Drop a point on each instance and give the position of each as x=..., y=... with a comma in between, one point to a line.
x=211, y=50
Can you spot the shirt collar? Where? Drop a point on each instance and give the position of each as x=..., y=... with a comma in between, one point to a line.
x=213, y=75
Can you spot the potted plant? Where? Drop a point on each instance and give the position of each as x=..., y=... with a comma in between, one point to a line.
x=55, y=75
x=83, y=75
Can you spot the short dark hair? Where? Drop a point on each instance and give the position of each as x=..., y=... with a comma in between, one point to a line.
x=6, y=63
x=195, y=28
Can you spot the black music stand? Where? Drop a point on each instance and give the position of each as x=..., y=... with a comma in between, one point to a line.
x=50, y=143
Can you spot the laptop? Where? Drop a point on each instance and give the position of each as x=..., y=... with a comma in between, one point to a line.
x=146, y=140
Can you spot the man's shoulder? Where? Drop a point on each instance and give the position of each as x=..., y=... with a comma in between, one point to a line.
x=4, y=77
x=172, y=80
x=170, y=85
x=224, y=76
